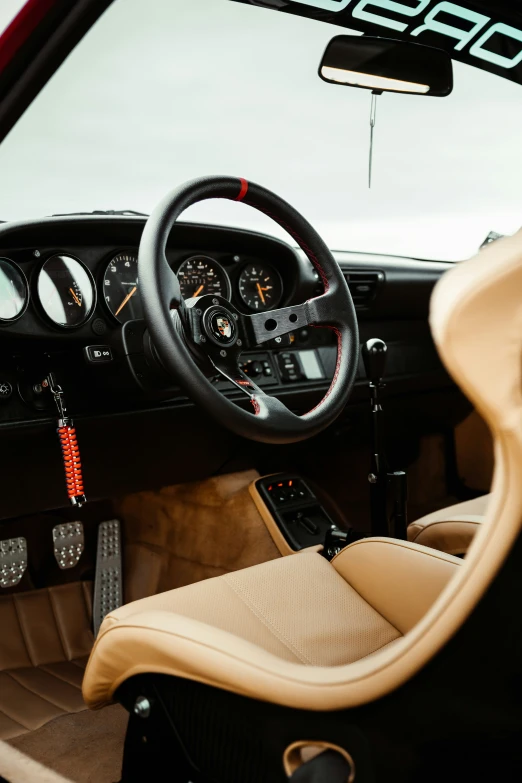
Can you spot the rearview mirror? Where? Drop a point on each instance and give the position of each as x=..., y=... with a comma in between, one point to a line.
x=386, y=65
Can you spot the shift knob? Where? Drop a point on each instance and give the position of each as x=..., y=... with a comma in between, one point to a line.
x=374, y=358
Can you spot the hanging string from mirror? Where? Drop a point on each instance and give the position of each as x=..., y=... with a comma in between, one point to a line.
x=373, y=114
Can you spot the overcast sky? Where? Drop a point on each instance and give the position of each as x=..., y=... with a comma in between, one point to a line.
x=166, y=90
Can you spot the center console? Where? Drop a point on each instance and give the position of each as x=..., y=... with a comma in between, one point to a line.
x=295, y=517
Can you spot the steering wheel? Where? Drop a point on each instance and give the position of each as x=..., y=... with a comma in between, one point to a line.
x=198, y=337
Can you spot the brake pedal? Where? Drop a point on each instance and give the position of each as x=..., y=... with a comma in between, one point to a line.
x=68, y=544
x=108, y=583
x=13, y=561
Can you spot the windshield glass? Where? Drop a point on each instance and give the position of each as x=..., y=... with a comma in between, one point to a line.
x=167, y=90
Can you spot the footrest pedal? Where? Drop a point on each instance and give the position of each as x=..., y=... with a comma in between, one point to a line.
x=108, y=594
x=13, y=561
x=68, y=544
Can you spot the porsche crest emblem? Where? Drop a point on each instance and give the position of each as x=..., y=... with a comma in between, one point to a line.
x=220, y=326
x=224, y=327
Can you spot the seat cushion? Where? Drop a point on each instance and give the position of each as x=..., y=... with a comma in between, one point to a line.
x=264, y=631
x=450, y=529
x=298, y=608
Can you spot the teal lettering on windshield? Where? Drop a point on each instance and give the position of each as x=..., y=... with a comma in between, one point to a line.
x=464, y=37
x=500, y=29
x=359, y=12
x=472, y=33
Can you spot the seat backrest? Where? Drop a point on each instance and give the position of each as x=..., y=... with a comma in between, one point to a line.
x=476, y=321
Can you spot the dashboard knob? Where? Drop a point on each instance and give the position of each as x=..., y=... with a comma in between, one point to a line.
x=6, y=390
x=253, y=368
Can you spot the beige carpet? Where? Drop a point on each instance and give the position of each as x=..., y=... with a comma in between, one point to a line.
x=86, y=747
x=188, y=532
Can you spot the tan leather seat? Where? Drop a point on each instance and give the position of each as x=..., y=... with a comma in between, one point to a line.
x=246, y=630
x=373, y=586
x=450, y=529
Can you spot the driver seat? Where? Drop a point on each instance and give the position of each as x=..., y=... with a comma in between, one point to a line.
x=380, y=654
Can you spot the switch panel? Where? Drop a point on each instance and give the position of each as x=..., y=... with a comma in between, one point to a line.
x=296, y=510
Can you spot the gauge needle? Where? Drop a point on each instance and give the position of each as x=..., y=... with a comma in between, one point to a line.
x=200, y=289
x=73, y=294
x=261, y=294
x=131, y=293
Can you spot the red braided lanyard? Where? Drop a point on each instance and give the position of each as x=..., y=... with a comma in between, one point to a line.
x=72, y=463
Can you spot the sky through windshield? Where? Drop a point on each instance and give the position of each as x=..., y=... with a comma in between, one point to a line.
x=163, y=91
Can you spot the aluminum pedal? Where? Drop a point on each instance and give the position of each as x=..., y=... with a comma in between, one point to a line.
x=68, y=544
x=108, y=593
x=13, y=561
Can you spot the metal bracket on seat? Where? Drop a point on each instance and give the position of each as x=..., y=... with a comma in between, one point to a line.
x=328, y=767
x=13, y=561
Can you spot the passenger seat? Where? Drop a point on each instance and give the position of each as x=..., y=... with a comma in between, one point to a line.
x=451, y=529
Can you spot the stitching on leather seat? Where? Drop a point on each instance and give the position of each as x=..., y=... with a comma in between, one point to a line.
x=435, y=553
x=266, y=622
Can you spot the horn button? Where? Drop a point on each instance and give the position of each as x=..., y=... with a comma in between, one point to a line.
x=220, y=326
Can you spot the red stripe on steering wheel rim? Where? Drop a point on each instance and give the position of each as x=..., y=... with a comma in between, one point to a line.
x=243, y=191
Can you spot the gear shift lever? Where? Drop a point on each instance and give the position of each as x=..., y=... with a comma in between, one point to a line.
x=374, y=354
x=374, y=357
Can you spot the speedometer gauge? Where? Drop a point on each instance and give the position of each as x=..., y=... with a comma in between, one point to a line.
x=66, y=291
x=121, y=287
x=201, y=275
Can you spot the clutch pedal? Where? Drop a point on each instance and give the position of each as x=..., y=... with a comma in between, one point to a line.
x=68, y=544
x=108, y=593
x=13, y=561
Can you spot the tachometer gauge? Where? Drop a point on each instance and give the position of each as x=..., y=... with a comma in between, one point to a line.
x=201, y=275
x=14, y=294
x=260, y=286
x=121, y=287
x=66, y=291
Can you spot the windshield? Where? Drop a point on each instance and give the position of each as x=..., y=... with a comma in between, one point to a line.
x=167, y=90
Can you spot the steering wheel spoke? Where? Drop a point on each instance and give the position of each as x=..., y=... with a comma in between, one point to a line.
x=275, y=323
x=233, y=373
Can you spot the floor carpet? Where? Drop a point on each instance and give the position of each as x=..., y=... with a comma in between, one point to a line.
x=86, y=747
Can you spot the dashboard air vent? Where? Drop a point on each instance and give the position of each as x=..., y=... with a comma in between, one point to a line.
x=363, y=285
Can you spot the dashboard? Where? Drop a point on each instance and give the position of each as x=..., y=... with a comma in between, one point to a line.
x=70, y=304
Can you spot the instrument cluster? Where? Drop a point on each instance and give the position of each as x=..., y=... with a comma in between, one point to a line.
x=65, y=292
x=258, y=285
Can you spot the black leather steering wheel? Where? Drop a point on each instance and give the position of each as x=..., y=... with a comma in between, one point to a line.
x=206, y=335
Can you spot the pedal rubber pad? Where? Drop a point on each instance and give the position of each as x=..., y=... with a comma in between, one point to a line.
x=68, y=544
x=13, y=561
x=108, y=594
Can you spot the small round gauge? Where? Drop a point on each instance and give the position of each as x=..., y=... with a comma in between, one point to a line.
x=66, y=291
x=14, y=293
x=121, y=288
x=201, y=275
x=260, y=286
